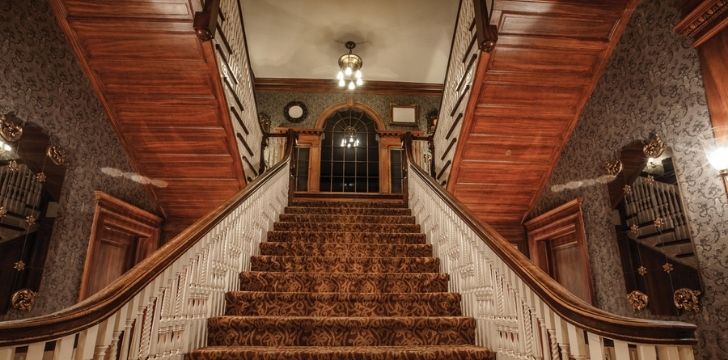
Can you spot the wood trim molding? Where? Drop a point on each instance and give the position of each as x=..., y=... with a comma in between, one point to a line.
x=563, y=220
x=111, y=212
x=704, y=21
x=373, y=87
x=326, y=114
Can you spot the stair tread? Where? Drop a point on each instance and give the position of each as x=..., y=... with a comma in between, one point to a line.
x=363, y=237
x=344, y=282
x=422, y=352
x=339, y=249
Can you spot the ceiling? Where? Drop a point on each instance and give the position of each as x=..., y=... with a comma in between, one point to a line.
x=405, y=40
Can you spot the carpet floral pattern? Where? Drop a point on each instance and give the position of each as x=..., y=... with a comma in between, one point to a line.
x=347, y=279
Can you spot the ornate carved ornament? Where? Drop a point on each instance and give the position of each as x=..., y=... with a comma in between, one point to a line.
x=295, y=111
x=265, y=121
x=638, y=300
x=56, y=154
x=686, y=299
x=654, y=147
x=23, y=300
x=613, y=167
x=704, y=21
x=10, y=128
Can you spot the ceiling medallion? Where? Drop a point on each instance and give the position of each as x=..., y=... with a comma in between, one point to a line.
x=667, y=267
x=654, y=147
x=642, y=270
x=638, y=300
x=10, y=129
x=650, y=180
x=350, y=64
x=41, y=177
x=295, y=111
x=634, y=229
x=23, y=299
x=56, y=155
x=30, y=220
x=613, y=167
x=686, y=299
x=13, y=166
x=19, y=265
x=627, y=190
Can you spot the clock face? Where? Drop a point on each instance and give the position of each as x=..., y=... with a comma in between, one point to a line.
x=295, y=111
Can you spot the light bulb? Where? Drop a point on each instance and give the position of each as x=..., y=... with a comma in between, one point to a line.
x=351, y=139
x=339, y=75
x=359, y=82
x=342, y=83
x=357, y=74
x=7, y=147
x=343, y=142
x=351, y=85
x=347, y=71
x=356, y=143
x=718, y=158
x=348, y=145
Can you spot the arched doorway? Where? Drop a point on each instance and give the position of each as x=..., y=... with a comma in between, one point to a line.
x=349, y=153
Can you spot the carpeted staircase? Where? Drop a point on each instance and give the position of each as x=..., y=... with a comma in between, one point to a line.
x=343, y=279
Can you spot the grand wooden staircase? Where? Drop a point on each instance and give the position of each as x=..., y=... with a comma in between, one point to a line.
x=343, y=278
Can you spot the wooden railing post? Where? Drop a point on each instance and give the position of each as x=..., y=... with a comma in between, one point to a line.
x=205, y=21
x=487, y=33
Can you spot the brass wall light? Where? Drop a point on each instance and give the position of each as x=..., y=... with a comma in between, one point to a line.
x=717, y=153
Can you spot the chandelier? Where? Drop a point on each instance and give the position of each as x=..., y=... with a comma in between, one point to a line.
x=349, y=139
x=350, y=64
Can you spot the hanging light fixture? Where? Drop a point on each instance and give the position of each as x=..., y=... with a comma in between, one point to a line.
x=350, y=75
x=349, y=140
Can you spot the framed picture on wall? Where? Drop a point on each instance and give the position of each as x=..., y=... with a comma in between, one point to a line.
x=404, y=115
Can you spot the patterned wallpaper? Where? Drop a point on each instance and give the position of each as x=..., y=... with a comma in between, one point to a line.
x=653, y=83
x=273, y=103
x=42, y=82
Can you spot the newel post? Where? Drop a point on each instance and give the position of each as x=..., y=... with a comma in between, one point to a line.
x=205, y=21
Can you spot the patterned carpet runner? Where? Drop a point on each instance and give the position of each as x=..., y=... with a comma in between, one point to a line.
x=343, y=279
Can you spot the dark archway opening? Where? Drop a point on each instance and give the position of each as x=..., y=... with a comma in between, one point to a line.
x=350, y=153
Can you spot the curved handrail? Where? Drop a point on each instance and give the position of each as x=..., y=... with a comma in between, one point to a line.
x=103, y=304
x=557, y=297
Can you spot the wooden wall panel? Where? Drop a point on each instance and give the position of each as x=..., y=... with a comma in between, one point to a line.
x=543, y=69
x=162, y=91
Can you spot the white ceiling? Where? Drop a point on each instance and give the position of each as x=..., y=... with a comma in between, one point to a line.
x=399, y=40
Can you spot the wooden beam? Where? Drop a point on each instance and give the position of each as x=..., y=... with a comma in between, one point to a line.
x=330, y=85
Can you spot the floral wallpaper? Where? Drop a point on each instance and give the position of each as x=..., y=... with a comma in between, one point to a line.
x=42, y=83
x=652, y=83
x=272, y=103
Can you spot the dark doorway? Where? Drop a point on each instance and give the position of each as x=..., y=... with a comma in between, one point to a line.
x=350, y=153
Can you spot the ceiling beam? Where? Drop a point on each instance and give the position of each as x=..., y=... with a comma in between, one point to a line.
x=369, y=87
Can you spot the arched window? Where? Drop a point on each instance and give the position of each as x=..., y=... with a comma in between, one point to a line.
x=350, y=153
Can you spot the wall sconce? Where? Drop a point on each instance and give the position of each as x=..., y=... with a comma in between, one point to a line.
x=718, y=159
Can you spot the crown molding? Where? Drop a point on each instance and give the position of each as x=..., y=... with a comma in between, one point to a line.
x=704, y=21
x=369, y=87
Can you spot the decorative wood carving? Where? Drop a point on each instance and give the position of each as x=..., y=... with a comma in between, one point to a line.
x=114, y=218
x=371, y=87
x=704, y=21
x=527, y=97
x=562, y=226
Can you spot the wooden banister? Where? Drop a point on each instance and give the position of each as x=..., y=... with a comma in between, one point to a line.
x=205, y=21
x=111, y=299
x=560, y=300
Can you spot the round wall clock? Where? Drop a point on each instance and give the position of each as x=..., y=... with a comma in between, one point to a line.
x=295, y=111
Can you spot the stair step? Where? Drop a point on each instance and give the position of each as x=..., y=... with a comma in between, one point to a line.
x=432, y=352
x=366, y=219
x=349, y=203
x=339, y=331
x=343, y=282
x=381, y=228
x=347, y=237
x=347, y=211
x=308, y=248
x=345, y=264
x=247, y=303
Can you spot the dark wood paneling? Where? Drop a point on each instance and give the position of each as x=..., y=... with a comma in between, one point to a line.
x=161, y=88
x=544, y=67
x=370, y=86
